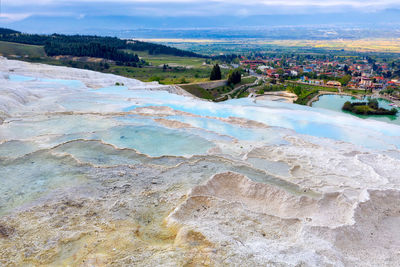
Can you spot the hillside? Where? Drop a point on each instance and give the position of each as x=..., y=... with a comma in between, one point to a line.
x=110, y=48
x=129, y=58
x=8, y=49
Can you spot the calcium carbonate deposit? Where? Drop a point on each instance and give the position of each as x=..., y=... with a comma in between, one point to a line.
x=93, y=174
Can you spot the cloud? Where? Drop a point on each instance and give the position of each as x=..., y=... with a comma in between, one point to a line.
x=11, y=17
x=294, y=3
x=20, y=9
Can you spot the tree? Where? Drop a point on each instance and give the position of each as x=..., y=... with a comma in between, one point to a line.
x=235, y=77
x=373, y=103
x=389, y=74
x=345, y=80
x=347, y=106
x=370, y=60
x=215, y=73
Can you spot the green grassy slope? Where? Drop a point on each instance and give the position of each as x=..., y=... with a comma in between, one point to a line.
x=157, y=60
x=13, y=49
x=197, y=91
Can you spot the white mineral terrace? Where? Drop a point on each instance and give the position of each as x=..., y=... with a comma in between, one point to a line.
x=93, y=174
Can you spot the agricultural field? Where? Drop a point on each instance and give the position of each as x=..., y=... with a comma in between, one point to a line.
x=360, y=45
x=243, y=46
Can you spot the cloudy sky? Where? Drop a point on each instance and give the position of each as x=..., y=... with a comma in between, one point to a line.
x=21, y=9
x=108, y=16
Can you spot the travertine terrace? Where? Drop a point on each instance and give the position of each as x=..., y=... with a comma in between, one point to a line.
x=93, y=174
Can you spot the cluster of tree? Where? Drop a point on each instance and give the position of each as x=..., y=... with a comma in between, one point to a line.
x=31, y=39
x=391, y=90
x=345, y=80
x=215, y=73
x=370, y=60
x=370, y=108
x=274, y=87
x=396, y=73
x=299, y=57
x=87, y=65
x=235, y=77
x=346, y=70
x=232, y=58
x=4, y=31
x=98, y=50
x=156, y=49
x=80, y=39
x=296, y=90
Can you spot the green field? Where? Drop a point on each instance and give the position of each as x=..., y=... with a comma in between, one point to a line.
x=197, y=91
x=343, y=47
x=355, y=92
x=21, y=50
x=172, y=61
x=246, y=80
x=175, y=75
x=179, y=70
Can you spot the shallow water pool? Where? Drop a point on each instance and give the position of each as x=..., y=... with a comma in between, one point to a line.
x=335, y=103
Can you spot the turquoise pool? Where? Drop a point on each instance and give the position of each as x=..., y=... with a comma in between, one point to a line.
x=335, y=103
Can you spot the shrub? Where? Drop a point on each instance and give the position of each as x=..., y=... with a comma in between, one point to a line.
x=235, y=77
x=373, y=103
x=215, y=73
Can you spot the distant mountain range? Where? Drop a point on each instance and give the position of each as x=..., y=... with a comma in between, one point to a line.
x=341, y=25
